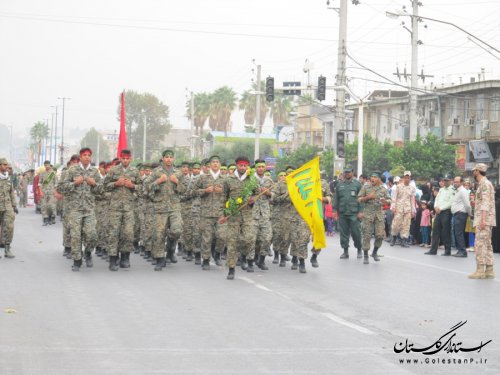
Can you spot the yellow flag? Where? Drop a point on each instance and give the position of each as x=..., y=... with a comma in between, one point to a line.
x=304, y=187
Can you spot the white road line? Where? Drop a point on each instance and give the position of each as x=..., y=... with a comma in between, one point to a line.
x=260, y=286
x=339, y=320
x=430, y=266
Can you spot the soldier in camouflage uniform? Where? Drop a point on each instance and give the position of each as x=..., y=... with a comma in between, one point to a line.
x=121, y=181
x=275, y=220
x=148, y=214
x=373, y=197
x=81, y=184
x=327, y=198
x=262, y=215
x=210, y=188
x=7, y=207
x=240, y=187
x=404, y=209
x=101, y=214
x=186, y=203
x=164, y=189
x=195, y=215
x=484, y=221
x=47, y=183
x=63, y=197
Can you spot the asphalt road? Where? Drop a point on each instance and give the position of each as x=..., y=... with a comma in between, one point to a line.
x=341, y=318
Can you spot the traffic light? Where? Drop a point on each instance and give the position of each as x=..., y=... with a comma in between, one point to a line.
x=269, y=89
x=321, y=87
x=340, y=144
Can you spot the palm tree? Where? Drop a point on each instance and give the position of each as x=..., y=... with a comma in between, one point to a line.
x=38, y=133
x=221, y=106
x=248, y=104
x=280, y=109
x=201, y=111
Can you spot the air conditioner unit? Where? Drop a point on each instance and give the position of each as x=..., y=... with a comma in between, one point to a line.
x=449, y=130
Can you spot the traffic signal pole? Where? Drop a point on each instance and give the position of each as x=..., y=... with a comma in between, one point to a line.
x=257, y=116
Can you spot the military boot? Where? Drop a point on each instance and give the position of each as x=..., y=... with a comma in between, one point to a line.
x=393, y=241
x=113, y=263
x=295, y=263
x=345, y=254
x=88, y=259
x=479, y=274
x=405, y=242
x=302, y=265
x=360, y=254
x=276, y=259
x=105, y=254
x=250, y=265
x=189, y=256
x=53, y=220
x=180, y=248
x=136, y=247
x=45, y=221
x=283, y=260
x=365, y=257
x=159, y=264
x=197, y=258
x=244, y=265
x=76, y=265
x=125, y=260
x=171, y=251
x=314, y=260
x=262, y=263
x=98, y=251
x=205, y=266
x=230, y=275
x=67, y=251
x=147, y=254
x=8, y=253
x=142, y=249
x=218, y=262
x=489, y=273
x=375, y=255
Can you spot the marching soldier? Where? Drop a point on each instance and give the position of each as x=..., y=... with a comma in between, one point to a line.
x=373, y=197
x=346, y=203
x=187, y=217
x=46, y=184
x=121, y=182
x=275, y=219
x=7, y=207
x=195, y=215
x=327, y=198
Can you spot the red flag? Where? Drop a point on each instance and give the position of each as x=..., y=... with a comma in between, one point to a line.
x=122, y=140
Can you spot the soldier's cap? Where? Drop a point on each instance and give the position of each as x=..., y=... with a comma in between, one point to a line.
x=375, y=174
x=407, y=173
x=214, y=157
x=185, y=163
x=348, y=169
x=397, y=178
x=447, y=177
x=46, y=162
x=196, y=164
x=3, y=161
x=481, y=167
x=167, y=152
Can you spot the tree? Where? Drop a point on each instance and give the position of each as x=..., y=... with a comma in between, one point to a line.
x=38, y=134
x=306, y=153
x=99, y=146
x=145, y=110
x=280, y=109
x=375, y=154
x=229, y=152
x=201, y=111
x=248, y=103
x=222, y=104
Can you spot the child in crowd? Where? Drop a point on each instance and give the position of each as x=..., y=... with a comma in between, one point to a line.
x=425, y=223
x=328, y=214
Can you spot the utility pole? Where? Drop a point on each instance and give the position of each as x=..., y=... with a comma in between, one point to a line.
x=257, y=115
x=414, y=74
x=340, y=81
x=62, y=128
x=55, y=134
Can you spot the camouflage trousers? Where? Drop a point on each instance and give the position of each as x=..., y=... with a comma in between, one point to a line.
x=66, y=227
x=121, y=232
x=102, y=224
x=373, y=224
x=401, y=224
x=137, y=225
x=211, y=231
x=147, y=236
x=163, y=223
x=48, y=205
x=483, y=247
x=7, y=218
x=264, y=236
x=240, y=238
x=299, y=237
x=196, y=218
x=283, y=235
x=187, y=221
x=82, y=226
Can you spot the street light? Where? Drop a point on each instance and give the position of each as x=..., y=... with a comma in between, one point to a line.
x=62, y=128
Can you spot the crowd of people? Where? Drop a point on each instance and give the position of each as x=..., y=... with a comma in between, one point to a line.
x=238, y=213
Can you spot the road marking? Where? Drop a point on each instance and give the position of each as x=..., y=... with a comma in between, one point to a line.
x=260, y=286
x=339, y=320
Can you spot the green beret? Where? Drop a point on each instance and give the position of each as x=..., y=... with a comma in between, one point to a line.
x=167, y=152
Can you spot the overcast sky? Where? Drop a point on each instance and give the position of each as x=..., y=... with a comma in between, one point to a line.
x=91, y=50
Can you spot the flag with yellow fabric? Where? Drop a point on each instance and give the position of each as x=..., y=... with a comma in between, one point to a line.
x=304, y=188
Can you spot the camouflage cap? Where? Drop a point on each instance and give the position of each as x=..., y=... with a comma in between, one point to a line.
x=481, y=167
x=167, y=152
x=3, y=161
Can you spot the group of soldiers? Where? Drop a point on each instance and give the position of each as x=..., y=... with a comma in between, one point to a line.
x=204, y=210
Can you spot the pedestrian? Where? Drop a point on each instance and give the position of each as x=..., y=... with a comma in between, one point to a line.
x=373, y=196
x=349, y=211
x=425, y=223
x=441, y=229
x=484, y=221
x=7, y=207
x=460, y=209
x=122, y=181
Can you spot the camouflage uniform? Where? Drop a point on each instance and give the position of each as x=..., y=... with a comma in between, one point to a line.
x=285, y=210
x=65, y=215
x=240, y=227
x=7, y=209
x=402, y=205
x=211, y=209
x=102, y=218
x=373, y=215
x=47, y=184
x=196, y=218
x=262, y=219
x=80, y=207
x=187, y=217
x=167, y=209
x=484, y=201
x=122, y=207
